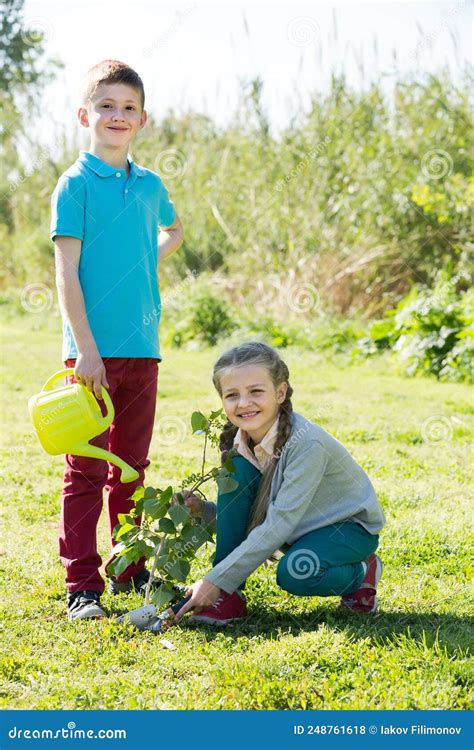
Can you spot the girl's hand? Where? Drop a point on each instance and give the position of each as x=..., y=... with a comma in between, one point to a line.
x=203, y=594
x=193, y=502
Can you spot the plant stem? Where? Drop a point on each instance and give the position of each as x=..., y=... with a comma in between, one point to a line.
x=204, y=455
x=203, y=479
x=152, y=575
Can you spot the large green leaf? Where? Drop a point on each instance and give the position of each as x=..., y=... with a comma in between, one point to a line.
x=139, y=492
x=199, y=422
x=142, y=549
x=166, y=495
x=162, y=562
x=155, y=507
x=167, y=526
x=120, y=564
x=179, y=514
x=194, y=537
x=127, y=532
x=161, y=596
x=178, y=569
x=226, y=483
x=150, y=492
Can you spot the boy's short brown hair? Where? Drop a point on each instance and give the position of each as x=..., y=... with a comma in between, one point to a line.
x=111, y=71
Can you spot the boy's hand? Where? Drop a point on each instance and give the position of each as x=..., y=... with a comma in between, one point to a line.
x=193, y=502
x=90, y=371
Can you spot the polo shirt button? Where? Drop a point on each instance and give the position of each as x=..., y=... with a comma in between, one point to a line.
x=117, y=174
x=126, y=190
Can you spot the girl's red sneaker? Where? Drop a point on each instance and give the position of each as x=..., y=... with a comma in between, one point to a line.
x=228, y=608
x=365, y=598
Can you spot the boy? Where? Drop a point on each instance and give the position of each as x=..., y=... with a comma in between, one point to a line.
x=106, y=215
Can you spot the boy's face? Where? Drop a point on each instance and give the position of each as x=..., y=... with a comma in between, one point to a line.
x=114, y=114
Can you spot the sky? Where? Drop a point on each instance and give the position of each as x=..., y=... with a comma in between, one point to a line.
x=191, y=55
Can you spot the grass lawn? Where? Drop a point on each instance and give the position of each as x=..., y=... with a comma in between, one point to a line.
x=412, y=437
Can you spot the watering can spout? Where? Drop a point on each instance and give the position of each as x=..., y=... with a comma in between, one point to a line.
x=128, y=474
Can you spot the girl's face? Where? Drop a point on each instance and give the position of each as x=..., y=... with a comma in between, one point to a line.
x=250, y=399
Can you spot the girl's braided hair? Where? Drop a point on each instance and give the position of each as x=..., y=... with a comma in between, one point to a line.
x=257, y=353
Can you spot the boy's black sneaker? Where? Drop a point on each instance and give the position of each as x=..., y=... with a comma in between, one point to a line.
x=137, y=583
x=82, y=605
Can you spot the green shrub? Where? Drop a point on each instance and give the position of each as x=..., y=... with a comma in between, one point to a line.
x=364, y=193
x=211, y=320
x=273, y=333
x=338, y=335
x=199, y=318
x=431, y=331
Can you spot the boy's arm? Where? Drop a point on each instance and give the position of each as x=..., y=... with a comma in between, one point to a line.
x=89, y=370
x=170, y=239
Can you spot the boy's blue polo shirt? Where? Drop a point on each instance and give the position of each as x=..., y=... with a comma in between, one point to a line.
x=117, y=218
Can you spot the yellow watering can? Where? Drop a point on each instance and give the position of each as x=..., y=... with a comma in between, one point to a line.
x=66, y=418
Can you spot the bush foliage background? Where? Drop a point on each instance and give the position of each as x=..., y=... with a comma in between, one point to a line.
x=296, y=235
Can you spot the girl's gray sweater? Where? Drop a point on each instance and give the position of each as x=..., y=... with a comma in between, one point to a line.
x=316, y=483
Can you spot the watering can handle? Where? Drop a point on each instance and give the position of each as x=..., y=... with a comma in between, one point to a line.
x=70, y=371
x=57, y=376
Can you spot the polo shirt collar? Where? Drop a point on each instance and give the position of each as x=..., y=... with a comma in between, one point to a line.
x=103, y=169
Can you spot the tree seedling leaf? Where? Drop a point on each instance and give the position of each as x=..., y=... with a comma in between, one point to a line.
x=229, y=464
x=118, y=548
x=167, y=526
x=179, y=514
x=121, y=564
x=162, y=562
x=150, y=492
x=162, y=596
x=155, y=507
x=167, y=494
x=138, y=509
x=216, y=414
x=226, y=483
x=143, y=549
x=195, y=537
x=198, y=421
x=127, y=530
x=179, y=569
x=139, y=492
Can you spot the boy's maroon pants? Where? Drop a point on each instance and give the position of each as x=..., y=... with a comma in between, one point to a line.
x=132, y=388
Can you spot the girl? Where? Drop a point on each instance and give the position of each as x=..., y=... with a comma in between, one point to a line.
x=298, y=488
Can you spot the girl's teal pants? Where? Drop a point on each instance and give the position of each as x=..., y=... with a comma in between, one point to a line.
x=325, y=562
